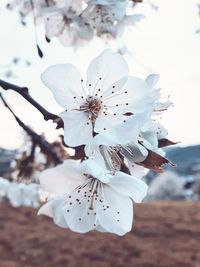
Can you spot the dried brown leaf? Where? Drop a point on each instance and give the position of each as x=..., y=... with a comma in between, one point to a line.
x=154, y=162
x=165, y=142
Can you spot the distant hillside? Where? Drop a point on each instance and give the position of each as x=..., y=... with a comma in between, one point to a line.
x=187, y=159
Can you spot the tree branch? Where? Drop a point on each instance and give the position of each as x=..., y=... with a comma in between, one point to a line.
x=37, y=139
x=23, y=91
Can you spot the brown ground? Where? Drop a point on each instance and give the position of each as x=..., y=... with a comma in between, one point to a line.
x=165, y=234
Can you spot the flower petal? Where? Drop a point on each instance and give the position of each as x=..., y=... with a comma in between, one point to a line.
x=129, y=186
x=137, y=170
x=135, y=97
x=77, y=213
x=93, y=168
x=152, y=79
x=46, y=209
x=106, y=69
x=78, y=129
x=54, y=25
x=57, y=206
x=125, y=132
x=133, y=153
x=118, y=217
x=64, y=80
x=61, y=179
x=53, y=209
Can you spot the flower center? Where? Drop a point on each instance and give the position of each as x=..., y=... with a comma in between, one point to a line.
x=92, y=106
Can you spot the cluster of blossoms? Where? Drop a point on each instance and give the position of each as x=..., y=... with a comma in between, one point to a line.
x=75, y=22
x=111, y=117
x=20, y=194
x=31, y=160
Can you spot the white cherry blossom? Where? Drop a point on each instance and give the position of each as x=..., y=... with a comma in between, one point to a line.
x=23, y=195
x=70, y=33
x=89, y=198
x=120, y=140
x=75, y=22
x=107, y=98
x=102, y=16
x=4, y=185
x=130, y=142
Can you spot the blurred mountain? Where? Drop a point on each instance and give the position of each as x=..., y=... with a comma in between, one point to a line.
x=6, y=156
x=187, y=159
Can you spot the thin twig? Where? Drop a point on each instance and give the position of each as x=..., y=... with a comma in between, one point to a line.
x=37, y=139
x=23, y=91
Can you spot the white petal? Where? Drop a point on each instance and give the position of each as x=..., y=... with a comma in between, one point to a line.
x=93, y=168
x=95, y=153
x=100, y=229
x=53, y=209
x=138, y=97
x=123, y=133
x=162, y=106
x=64, y=81
x=77, y=213
x=118, y=217
x=137, y=170
x=152, y=79
x=61, y=179
x=132, y=19
x=46, y=209
x=133, y=153
x=143, y=149
x=151, y=137
x=108, y=121
x=78, y=129
x=54, y=25
x=109, y=67
x=57, y=206
x=129, y=186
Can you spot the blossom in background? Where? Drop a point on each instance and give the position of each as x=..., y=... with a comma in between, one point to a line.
x=25, y=7
x=88, y=197
x=20, y=194
x=23, y=195
x=75, y=22
x=103, y=15
x=106, y=99
x=69, y=33
x=4, y=184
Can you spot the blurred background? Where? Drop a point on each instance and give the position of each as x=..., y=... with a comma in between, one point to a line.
x=166, y=231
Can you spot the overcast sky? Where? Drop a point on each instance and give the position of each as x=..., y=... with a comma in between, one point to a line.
x=164, y=42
